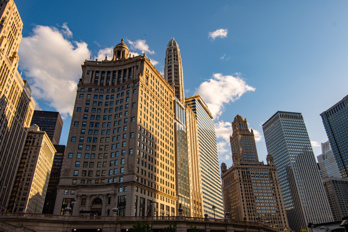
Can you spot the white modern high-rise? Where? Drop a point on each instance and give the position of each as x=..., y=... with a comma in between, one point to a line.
x=327, y=163
x=210, y=175
x=304, y=196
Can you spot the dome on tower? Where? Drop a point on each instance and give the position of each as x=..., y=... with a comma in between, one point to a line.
x=121, y=51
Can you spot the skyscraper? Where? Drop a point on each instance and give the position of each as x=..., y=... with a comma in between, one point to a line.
x=120, y=154
x=327, y=163
x=54, y=180
x=173, y=72
x=208, y=158
x=29, y=191
x=251, y=189
x=50, y=122
x=335, y=122
x=336, y=190
x=304, y=196
x=189, y=189
x=16, y=103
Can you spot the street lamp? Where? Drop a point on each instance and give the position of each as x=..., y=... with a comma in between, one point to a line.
x=213, y=207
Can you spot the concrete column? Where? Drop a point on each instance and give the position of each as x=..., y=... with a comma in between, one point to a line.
x=103, y=197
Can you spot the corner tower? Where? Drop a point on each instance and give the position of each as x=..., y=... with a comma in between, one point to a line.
x=173, y=69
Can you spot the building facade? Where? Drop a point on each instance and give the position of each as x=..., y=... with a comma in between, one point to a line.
x=16, y=103
x=29, y=191
x=327, y=163
x=304, y=196
x=251, y=189
x=336, y=190
x=335, y=121
x=120, y=154
x=208, y=158
x=50, y=122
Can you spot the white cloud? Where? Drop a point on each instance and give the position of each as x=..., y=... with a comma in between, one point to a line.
x=257, y=135
x=315, y=144
x=108, y=52
x=140, y=45
x=154, y=62
x=162, y=73
x=223, y=130
x=66, y=31
x=134, y=54
x=220, y=90
x=222, y=147
x=52, y=65
x=223, y=57
x=222, y=33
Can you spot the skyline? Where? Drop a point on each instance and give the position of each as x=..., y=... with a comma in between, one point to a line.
x=223, y=51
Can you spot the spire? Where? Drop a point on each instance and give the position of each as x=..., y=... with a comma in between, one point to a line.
x=173, y=72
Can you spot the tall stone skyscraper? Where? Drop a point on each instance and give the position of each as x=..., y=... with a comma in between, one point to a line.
x=304, y=196
x=208, y=158
x=120, y=154
x=251, y=189
x=189, y=189
x=50, y=122
x=173, y=72
x=16, y=103
x=335, y=122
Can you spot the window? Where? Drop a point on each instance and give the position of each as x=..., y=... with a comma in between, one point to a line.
x=122, y=161
x=80, y=147
x=133, y=119
x=78, y=155
x=133, y=104
x=83, y=131
x=122, y=170
x=77, y=164
x=76, y=123
x=78, y=109
x=73, y=139
x=85, y=116
x=123, y=144
x=132, y=134
x=70, y=155
x=131, y=151
x=76, y=172
x=125, y=128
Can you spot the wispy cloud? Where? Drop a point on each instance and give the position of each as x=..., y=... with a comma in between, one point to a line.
x=66, y=31
x=222, y=89
x=257, y=135
x=140, y=45
x=219, y=33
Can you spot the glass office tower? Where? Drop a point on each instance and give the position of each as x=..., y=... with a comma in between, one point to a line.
x=335, y=122
x=304, y=196
x=210, y=176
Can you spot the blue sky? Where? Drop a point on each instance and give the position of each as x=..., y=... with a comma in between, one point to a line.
x=269, y=55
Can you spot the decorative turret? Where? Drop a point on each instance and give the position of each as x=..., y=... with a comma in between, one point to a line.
x=270, y=160
x=121, y=51
x=223, y=167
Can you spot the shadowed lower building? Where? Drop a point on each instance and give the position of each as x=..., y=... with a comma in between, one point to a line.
x=304, y=196
x=251, y=189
